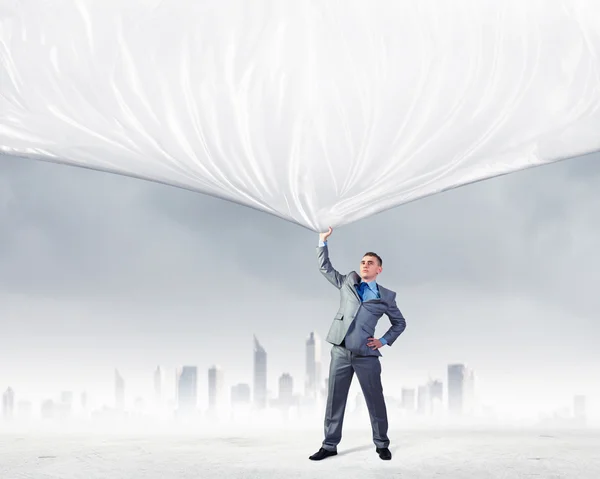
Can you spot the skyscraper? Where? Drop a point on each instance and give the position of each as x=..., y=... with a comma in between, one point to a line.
x=66, y=402
x=119, y=391
x=313, y=366
x=158, y=384
x=436, y=395
x=286, y=389
x=187, y=388
x=579, y=407
x=436, y=389
x=456, y=377
x=8, y=403
x=215, y=388
x=260, y=375
x=408, y=398
x=66, y=397
x=423, y=399
x=240, y=394
x=469, y=400
x=461, y=389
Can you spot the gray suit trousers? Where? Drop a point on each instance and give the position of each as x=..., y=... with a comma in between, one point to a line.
x=341, y=371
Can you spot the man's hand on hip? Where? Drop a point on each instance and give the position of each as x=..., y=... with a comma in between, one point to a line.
x=374, y=343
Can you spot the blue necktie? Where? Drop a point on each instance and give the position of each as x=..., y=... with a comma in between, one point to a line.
x=361, y=290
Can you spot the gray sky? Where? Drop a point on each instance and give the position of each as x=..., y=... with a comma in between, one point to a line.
x=102, y=271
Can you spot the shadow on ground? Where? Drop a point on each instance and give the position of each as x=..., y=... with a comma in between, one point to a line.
x=357, y=449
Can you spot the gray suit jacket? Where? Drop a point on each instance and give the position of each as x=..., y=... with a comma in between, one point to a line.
x=355, y=321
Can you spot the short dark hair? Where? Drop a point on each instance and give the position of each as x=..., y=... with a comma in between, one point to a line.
x=374, y=255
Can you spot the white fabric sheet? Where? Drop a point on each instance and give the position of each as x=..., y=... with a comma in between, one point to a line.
x=319, y=112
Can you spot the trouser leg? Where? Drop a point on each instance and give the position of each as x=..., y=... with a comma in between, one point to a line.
x=340, y=378
x=368, y=371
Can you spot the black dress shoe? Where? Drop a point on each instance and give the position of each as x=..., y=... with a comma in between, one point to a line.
x=322, y=454
x=384, y=453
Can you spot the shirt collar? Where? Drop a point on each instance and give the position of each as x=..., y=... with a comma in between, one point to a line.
x=371, y=284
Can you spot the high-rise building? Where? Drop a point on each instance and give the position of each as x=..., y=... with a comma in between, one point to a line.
x=360, y=404
x=215, y=388
x=66, y=403
x=47, y=409
x=240, y=394
x=469, y=404
x=325, y=387
x=8, y=403
x=423, y=400
x=158, y=386
x=187, y=388
x=461, y=389
x=456, y=380
x=579, y=407
x=408, y=398
x=436, y=395
x=436, y=390
x=66, y=397
x=286, y=389
x=260, y=375
x=119, y=391
x=313, y=366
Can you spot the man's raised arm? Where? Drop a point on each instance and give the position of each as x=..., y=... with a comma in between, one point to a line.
x=334, y=277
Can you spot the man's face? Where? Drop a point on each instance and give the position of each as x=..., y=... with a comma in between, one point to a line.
x=369, y=268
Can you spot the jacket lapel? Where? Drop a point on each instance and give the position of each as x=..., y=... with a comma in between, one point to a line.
x=383, y=293
x=355, y=283
x=356, y=280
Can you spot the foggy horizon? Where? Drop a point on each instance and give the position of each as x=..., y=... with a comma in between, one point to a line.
x=105, y=272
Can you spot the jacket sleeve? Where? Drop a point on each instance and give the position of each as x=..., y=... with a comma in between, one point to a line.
x=334, y=277
x=398, y=323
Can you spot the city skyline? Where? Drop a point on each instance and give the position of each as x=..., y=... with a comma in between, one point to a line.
x=499, y=275
x=453, y=396
x=271, y=382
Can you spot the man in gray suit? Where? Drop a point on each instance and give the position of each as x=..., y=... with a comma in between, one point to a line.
x=362, y=303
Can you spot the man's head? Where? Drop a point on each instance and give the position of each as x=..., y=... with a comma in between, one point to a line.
x=370, y=266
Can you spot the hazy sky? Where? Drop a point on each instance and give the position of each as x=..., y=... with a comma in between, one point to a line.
x=99, y=271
